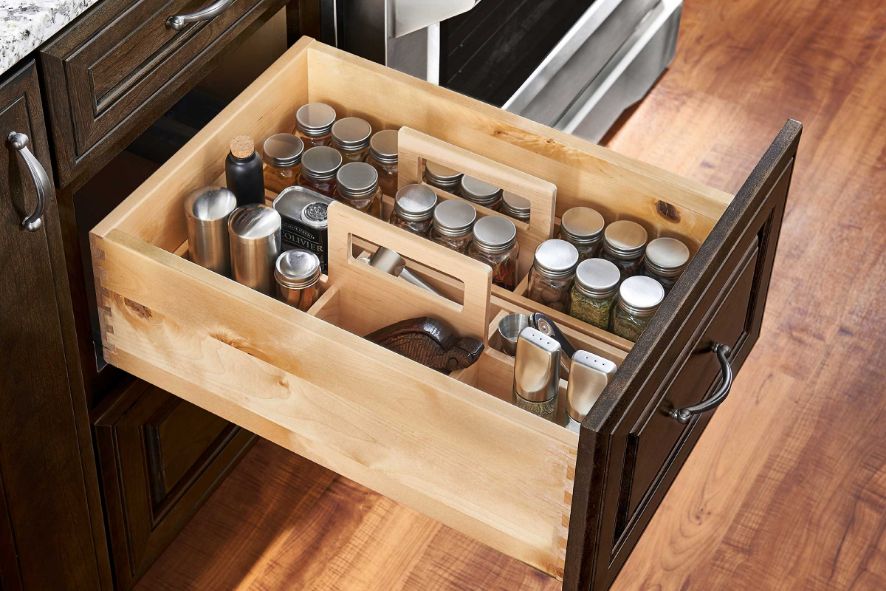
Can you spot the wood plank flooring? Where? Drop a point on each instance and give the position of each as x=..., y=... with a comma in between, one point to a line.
x=787, y=487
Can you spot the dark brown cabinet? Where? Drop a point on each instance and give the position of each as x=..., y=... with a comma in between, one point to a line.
x=47, y=473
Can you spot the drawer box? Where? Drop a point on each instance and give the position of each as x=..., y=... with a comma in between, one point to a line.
x=106, y=71
x=449, y=446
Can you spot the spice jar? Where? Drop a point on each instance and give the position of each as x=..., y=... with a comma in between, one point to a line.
x=350, y=136
x=282, y=159
x=383, y=156
x=298, y=275
x=623, y=244
x=357, y=186
x=452, y=224
x=313, y=124
x=441, y=177
x=495, y=243
x=319, y=166
x=583, y=228
x=480, y=192
x=665, y=260
x=638, y=300
x=596, y=283
x=414, y=209
x=553, y=269
x=515, y=206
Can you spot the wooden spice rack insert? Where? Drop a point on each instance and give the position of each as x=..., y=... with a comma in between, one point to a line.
x=452, y=447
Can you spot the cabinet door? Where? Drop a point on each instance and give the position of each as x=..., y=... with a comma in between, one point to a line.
x=160, y=458
x=49, y=488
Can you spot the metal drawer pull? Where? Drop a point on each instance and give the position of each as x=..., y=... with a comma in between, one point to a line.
x=180, y=21
x=684, y=414
x=19, y=142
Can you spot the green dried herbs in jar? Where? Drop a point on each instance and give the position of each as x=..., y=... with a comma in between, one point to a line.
x=594, y=290
x=638, y=300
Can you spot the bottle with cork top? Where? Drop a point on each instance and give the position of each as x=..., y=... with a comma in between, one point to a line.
x=243, y=171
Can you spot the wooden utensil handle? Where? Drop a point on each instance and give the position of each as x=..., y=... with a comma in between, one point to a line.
x=391, y=296
x=415, y=147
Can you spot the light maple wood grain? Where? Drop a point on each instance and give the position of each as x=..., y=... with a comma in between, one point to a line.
x=786, y=488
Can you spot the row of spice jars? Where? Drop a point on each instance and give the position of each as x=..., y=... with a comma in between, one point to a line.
x=316, y=125
x=624, y=243
x=455, y=224
x=477, y=191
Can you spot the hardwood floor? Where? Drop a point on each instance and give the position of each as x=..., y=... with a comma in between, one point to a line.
x=787, y=487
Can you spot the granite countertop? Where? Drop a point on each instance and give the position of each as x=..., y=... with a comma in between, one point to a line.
x=25, y=24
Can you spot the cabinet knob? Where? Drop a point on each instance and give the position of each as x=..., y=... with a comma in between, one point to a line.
x=19, y=142
x=180, y=21
x=682, y=415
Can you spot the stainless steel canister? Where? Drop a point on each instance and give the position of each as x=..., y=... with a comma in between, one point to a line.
x=255, y=244
x=207, y=211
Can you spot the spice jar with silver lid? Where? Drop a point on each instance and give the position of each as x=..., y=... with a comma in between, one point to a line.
x=383, y=156
x=313, y=124
x=665, y=260
x=638, y=300
x=514, y=206
x=357, y=186
x=495, y=243
x=442, y=177
x=553, y=269
x=282, y=157
x=583, y=228
x=297, y=273
x=594, y=290
x=350, y=136
x=453, y=221
x=319, y=166
x=623, y=244
x=414, y=209
x=480, y=192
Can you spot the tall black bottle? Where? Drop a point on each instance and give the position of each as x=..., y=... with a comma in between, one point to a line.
x=243, y=171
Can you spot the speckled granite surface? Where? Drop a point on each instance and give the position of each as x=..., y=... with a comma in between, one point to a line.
x=25, y=24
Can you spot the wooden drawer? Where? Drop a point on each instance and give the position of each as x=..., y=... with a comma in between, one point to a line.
x=106, y=72
x=450, y=446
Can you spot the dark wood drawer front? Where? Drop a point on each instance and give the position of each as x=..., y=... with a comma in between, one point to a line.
x=653, y=442
x=106, y=70
x=630, y=449
x=160, y=458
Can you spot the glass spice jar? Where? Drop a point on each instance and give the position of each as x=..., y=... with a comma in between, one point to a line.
x=515, y=206
x=282, y=157
x=319, y=166
x=298, y=275
x=383, y=156
x=453, y=220
x=638, y=300
x=596, y=283
x=414, y=209
x=313, y=124
x=357, y=186
x=495, y=243
x=480, y=192
x=665, y=260
x=623, y=244
x=350, y=136
x=441, y=177
x=583, y=228
x=553, y=270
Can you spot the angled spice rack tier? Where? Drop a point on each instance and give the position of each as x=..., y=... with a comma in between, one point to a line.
x=449, y=446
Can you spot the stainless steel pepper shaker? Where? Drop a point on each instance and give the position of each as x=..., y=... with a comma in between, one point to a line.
x=588, y=376
x=537, y=373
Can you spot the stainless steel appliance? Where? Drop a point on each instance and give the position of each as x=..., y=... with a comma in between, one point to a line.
x=572, y=64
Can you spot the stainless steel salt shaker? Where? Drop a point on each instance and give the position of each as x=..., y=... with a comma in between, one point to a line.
x=255, y=236
x=297, y=273
x=207, y=211
x=537, y=373
x=589, y=374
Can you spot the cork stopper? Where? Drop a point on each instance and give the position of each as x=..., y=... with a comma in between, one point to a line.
x=242, y=146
